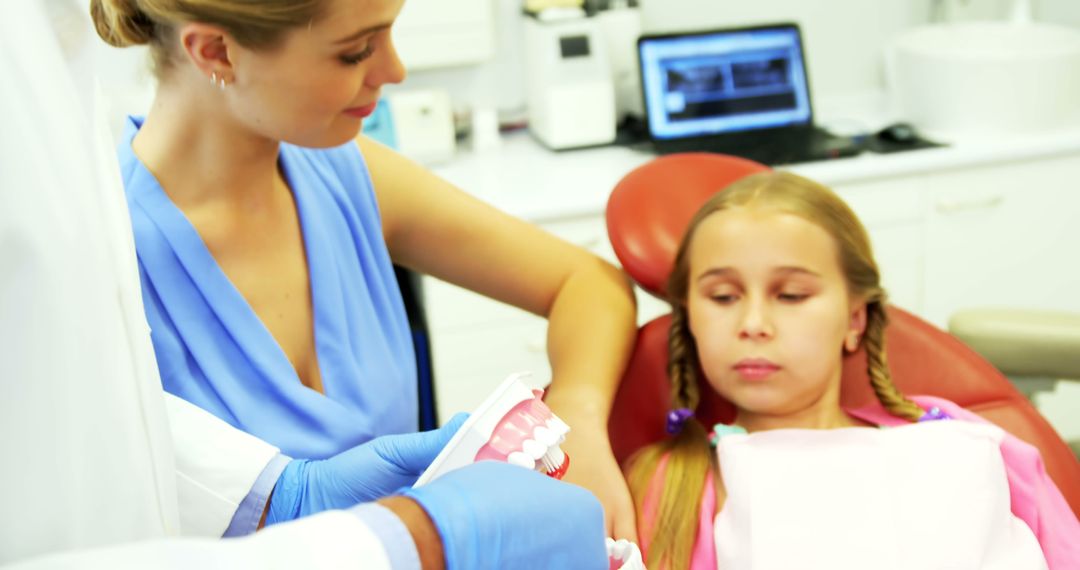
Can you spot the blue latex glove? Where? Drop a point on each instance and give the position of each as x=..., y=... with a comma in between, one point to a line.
x=362, y=474
x=495, y=515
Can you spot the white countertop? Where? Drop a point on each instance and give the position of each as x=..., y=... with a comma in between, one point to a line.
x=527, y=180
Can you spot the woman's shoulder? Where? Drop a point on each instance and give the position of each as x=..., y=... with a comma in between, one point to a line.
x=340, y=172
x=343, y=161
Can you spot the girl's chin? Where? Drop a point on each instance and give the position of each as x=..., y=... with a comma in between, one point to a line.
x=763, y=406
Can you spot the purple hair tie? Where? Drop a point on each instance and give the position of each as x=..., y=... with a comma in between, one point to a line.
x=935, y=413
x=676, y=418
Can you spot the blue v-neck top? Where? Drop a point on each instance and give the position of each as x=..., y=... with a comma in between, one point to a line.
x=214, y=351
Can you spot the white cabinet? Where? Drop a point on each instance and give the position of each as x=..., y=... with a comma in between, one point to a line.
x=892, y=212
x=1005, y=235
x=425, y=30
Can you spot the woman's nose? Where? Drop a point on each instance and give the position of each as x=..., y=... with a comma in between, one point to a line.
x=389, y=68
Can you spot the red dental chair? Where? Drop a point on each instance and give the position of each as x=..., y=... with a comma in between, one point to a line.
x=646, y=215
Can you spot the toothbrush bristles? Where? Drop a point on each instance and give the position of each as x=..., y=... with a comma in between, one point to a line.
x=553, y=459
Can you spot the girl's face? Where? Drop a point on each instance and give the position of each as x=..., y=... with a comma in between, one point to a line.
x=315, y=88
x=769, y=311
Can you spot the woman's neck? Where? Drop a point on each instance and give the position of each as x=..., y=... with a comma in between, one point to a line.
x=200, y=154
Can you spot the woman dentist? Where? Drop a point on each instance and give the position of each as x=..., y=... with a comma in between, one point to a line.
x=267, y=231
x=97, y=475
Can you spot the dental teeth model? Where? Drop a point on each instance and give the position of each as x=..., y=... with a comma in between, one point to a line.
x=512, y=425
x=515, y=426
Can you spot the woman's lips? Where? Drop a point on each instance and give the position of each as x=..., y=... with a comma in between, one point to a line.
x=755, y=368
x=361, y=112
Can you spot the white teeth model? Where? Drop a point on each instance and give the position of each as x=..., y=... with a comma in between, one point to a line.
x=533, y=448
x=546, y=436
x=541, y=452
x=624, y=554
x=529, y=434
x=522, y=460
x=558, y=426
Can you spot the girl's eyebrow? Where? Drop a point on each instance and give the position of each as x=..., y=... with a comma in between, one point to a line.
x=718, y=272
x=783, y=270
x=794, y=269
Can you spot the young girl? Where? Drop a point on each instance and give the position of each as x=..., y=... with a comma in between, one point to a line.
x=773, y=282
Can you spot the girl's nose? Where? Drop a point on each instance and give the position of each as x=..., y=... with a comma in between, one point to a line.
x=755, y=321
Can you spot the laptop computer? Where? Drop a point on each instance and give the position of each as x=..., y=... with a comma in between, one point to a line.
x=741, y=91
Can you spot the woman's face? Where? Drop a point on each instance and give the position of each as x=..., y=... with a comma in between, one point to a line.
x=315, y=87
x=769, y=311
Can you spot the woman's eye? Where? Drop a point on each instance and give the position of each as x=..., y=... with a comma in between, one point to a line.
x=355, y=58
x=792, y=297
x=723, y=299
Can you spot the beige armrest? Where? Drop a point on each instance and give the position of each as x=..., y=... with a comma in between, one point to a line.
x=1023, y=342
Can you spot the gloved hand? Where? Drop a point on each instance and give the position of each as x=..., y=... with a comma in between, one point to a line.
x=495, y=515
x=364, y=473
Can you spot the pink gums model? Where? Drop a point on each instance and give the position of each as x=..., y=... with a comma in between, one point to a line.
x=515, y=426
x=529, y=435
x=512, y=425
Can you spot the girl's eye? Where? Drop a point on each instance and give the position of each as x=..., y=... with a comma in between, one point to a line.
x=792, y=297
x=723, y=299
x=355, y=58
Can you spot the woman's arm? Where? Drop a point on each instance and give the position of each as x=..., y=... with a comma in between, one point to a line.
x=432, y=227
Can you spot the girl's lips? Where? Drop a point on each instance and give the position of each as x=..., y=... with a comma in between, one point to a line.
x=756, y=369
x=361, y=112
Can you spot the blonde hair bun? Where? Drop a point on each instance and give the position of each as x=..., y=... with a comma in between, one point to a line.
x=121, y=23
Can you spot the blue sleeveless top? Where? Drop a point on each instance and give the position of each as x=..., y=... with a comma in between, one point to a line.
x=213, y=350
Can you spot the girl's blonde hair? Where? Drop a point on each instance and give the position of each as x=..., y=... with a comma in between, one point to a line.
x=253, y=23
x=689, y=455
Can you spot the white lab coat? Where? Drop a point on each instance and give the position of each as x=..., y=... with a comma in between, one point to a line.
x=92, y=475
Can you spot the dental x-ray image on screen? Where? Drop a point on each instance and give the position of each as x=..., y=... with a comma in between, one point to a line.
x=742, y=91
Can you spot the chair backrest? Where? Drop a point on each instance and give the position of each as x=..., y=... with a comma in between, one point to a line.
x=646, y=216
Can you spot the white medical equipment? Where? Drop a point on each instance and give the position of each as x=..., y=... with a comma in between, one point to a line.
x=423, y=124
x=571, y=95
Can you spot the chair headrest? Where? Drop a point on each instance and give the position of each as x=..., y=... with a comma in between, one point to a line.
x=649, y=209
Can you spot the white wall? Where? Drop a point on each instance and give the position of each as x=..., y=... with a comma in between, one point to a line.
x=1059, y=11
x=499, y=83
x=844, y=40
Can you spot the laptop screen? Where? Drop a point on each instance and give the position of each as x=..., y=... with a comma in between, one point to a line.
x=723, y=81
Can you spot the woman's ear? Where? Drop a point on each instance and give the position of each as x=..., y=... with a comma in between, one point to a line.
x=207, y=47
x=856, y=325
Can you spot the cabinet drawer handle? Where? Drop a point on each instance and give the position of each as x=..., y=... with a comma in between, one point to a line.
x=954, y=206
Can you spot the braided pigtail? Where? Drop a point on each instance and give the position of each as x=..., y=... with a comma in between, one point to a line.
x=682, y=361
x=670, y=538
x=877, y=366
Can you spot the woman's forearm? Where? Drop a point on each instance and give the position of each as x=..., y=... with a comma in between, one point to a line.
x=590, y=335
